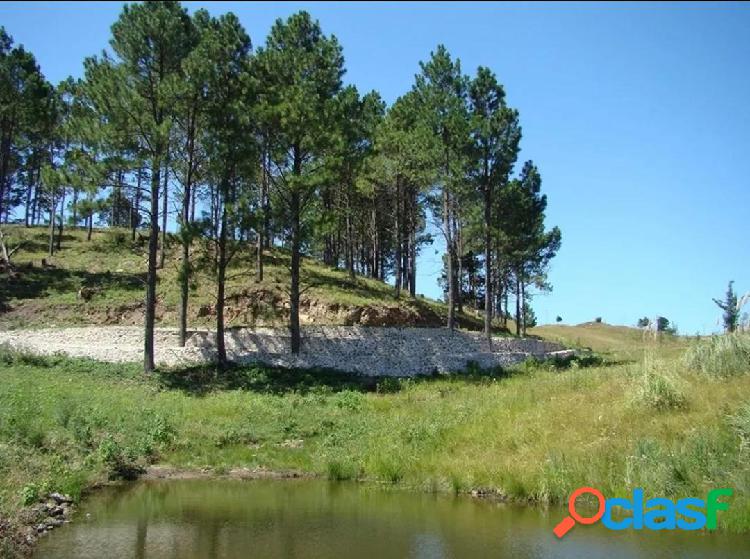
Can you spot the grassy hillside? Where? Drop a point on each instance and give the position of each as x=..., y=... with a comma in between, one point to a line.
x=617, y=342
x=675, y=425
x=112, y=268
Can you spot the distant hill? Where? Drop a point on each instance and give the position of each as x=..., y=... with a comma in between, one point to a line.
x=622, y=341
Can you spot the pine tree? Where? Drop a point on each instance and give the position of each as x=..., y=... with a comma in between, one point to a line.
x=135, y=95
x=496, y=135
x=731, y=309
x=441, y=89
x=228, y=141
x=300, y=71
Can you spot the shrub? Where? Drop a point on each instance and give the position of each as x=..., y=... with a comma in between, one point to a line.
x=598, y=320
x=113, y=239
x=388, y=385
x=341, y=470
x=657, y=388
x=29, y=494
x=349, y=400
x=120, y=462
x=720, y=356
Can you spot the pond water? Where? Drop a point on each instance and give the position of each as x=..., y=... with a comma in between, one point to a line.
x=225, y=519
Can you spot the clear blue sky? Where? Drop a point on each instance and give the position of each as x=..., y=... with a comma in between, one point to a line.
x=638, y=117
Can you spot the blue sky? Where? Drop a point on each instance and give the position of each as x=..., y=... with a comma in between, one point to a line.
x=638, y=117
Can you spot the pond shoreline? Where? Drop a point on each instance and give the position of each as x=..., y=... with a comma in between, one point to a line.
x=24, y=533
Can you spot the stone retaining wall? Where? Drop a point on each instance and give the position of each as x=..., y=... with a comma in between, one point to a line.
x=361, y=349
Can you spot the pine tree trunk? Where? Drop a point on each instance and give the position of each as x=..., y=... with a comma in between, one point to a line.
x=487, y=257
x=186, y=239
x=267, y=202
x=447, y=225
x=397, y=260
x=413, y=259
x=374, y=226
x=295, y=208
x=523, y=308
x=163, y=244
x=60, y=225
x=153, y=247
x=27, y=214
x=349, y=236
x=193, y=195
x=506, y=303
x=458, y=263
x=221, y=350
x=7, y=128
x=261, y=229
x=135, y=209
x=52, y=214
x=259, y=255
x=450, y=260
x=518, y=306
x=75, y=207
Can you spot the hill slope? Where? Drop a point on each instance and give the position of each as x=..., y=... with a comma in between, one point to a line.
x=620, y=342
x=111, y=269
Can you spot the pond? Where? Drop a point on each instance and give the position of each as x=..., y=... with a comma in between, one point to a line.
x=227, y=519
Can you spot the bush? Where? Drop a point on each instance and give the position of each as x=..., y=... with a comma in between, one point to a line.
x=389, y=385
x=120, y=463
x=341, y=470
x=114, y=239
x=29, y=494
x=598, y=320
x=721, y=356
x=657, y=388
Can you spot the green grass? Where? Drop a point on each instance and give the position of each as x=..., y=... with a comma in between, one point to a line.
x=616, y=342
x=534, y=433
x=720, y=355
x=114, y=267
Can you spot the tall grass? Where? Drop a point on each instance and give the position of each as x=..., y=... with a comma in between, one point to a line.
x=657, y=386
x=720, y=356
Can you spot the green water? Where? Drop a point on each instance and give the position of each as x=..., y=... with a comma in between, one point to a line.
x=316, y=519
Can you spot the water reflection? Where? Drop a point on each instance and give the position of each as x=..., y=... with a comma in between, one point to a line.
x=310, y=520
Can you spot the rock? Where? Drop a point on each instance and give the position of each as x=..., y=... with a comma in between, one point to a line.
x=60, y=499
x=353, y=317
x=292, y=443
x=86, y=293
x=40, y=528
x=204, y=310
x=57, y=511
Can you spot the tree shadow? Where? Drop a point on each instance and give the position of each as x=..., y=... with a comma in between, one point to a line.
x=30, y=282
x=202, y=379
x=357, y=286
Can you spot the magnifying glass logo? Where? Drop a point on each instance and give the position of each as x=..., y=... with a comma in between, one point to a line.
x=569, y=521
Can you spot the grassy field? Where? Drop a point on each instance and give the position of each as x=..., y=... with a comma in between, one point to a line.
x=113, y=268
x=676, y=425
